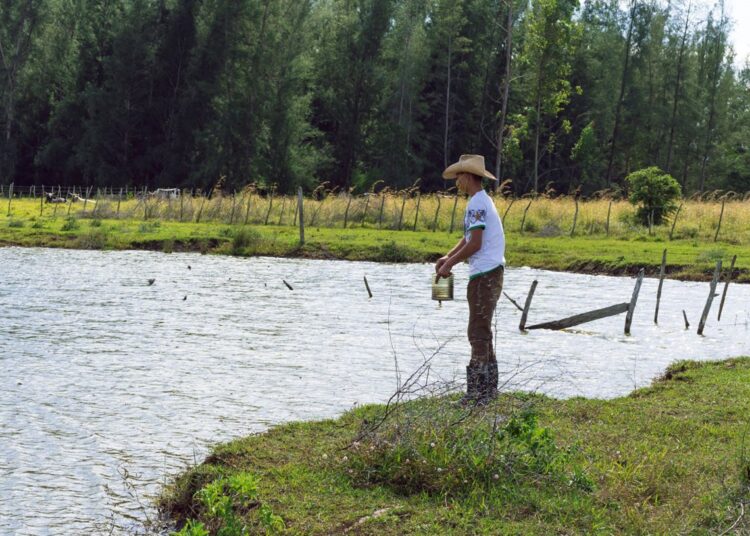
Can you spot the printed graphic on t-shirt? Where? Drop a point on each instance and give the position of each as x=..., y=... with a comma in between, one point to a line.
x=475, y=217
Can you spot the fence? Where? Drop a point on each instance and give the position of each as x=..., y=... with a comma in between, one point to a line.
x=708, y=219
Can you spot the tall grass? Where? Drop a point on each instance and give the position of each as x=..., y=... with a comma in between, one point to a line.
x=408, y=210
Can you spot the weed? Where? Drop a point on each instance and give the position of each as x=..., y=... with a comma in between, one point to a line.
x=71, y=224
x=245, y=238
x=96, y=222
x=15, y=224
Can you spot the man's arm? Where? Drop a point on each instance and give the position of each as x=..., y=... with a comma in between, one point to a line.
x=461, y=252
x=444, y=258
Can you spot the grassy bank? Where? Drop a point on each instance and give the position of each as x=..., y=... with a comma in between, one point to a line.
x=669, y=459
x=687, y=259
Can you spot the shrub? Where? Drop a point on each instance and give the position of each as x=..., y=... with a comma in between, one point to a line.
x=245, y=238
x=438, y=449
x=655, y=192
x=71, y=224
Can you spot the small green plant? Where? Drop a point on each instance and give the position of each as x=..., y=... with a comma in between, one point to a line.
x=245, y=238
x=226, y=501
x=95, y=223
x=15, y=223
x=71, y=224
x=392, y=252
x=38, y=225
x=443, y=451
x=655, y=192
x=149, y=227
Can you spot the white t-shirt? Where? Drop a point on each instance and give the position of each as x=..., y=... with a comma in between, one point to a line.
x=482, y=214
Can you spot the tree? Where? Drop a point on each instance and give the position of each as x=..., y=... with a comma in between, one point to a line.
x=655, y=191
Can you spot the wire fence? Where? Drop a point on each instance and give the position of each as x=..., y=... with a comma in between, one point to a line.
x=712, y=216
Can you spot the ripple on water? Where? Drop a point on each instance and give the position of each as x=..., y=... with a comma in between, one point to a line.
x=106, y=376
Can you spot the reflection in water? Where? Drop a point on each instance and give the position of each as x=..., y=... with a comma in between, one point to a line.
x=105, y=375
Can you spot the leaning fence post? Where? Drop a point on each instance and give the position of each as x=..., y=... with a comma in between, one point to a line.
x=382, y=204
x=711, y=294
x=401, y=216
x=437, y=211
x=726, y=286
x=661, y=282
x=633, y=300
x=300, y=208
x=609, y=211
x=575, y=219
x=527, y=305
x=270, y=206
x=453, y=214
x=721, y=216
x=419, y=199
x=523, y=220
x=674, y=222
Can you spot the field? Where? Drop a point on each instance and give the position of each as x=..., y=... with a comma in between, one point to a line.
x=397, y=227
x=669, y=459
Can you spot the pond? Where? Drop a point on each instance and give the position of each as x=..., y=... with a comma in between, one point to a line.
x=111, y=384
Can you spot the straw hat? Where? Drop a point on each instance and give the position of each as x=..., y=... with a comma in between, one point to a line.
x=468, y=163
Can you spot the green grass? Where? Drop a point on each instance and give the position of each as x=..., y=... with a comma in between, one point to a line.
x=673, y=458
x=691, y=258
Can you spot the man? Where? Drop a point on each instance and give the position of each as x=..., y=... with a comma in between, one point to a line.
x=483, y=244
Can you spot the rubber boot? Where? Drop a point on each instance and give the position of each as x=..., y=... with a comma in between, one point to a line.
x=473, y=385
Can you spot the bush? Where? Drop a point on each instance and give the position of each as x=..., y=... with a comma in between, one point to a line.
x=655, y=192
x=71, y=224
x=441, y=450
x=244, y=239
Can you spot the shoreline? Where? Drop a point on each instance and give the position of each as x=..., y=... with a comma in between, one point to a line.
x=645, y=461
x=390, y=251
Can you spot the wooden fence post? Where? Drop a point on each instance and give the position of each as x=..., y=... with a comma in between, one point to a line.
x=662, y=271
x=382, y=204
x=453, y=214
x=401, y=216
x=10, y=196
x=364, y=212
x=247, y=210
x=270, y=205
x=41, y=204
x=346, y=212
x=575, y=220
x=300, y=208
x=633, y=300
x=512, y=200
x=523, y=220
x=416, y=216
x=437, y=211
x=721, y=216
x=527, y=305
x=119, y=200
x=283, y=205
x=674, y=221
x=726, y=286
x=711, y=295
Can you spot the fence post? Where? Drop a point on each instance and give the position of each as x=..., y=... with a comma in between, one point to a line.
x=41, y=204
x=416, y=216
x=437, y=211
x=401, y=216
x=270, y=205
x=10, y=196
x=453, y=214
x=382, y=204
x=346, y=212
x=662, y=271
x=300, y=209
x=633, y=300
x=721, y=216
x=575, y=219
x=711, y=293
x=726, y=286
x=523, y=219
x=527, y=306
x=247, y=210
x=231, y=214
x=119, y=200
x=364, y=212
x=674, y=222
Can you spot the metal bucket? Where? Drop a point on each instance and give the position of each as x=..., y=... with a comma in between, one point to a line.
x=442, y=288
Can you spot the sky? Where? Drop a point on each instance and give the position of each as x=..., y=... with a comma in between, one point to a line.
x=739, y=11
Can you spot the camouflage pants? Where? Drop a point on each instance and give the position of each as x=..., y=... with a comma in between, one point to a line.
x=482, y=294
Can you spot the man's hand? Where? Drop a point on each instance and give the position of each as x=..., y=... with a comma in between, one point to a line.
x=440, y=263
x=444, y=269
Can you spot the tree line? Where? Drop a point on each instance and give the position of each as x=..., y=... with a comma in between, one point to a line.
x=559, y=96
